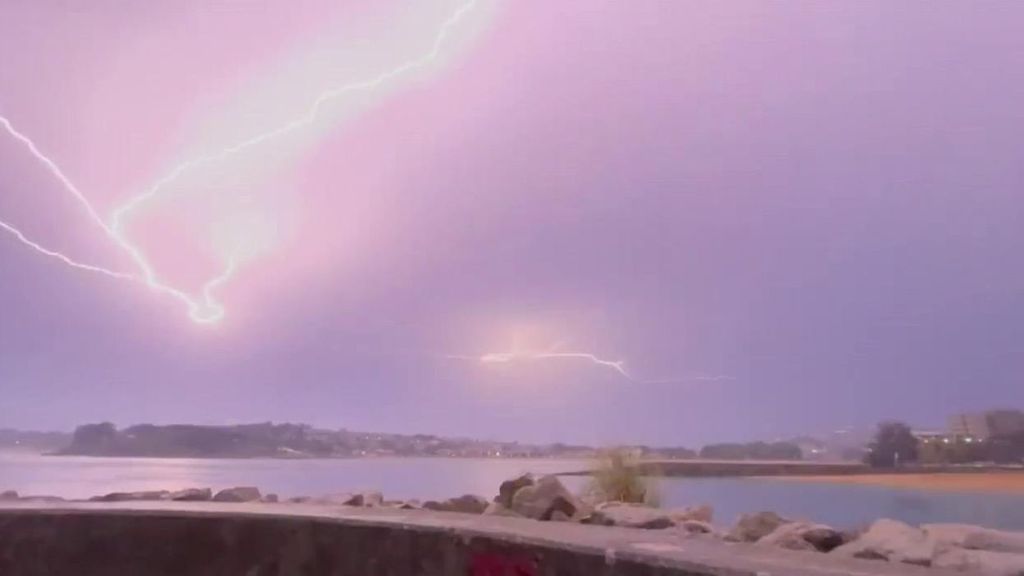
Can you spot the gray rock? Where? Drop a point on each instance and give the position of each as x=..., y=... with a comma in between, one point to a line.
x=788, y=536
x=367, y=499
x=632, y=516
x=410, y=505
x=238, y=494
x=596, y=518
x=975, y=537
x=300, y=500
x=804, y=536
x=132, y=496
x=508, y=489
x=753, y=527
x=466, y=504
x=891, y=540
x=702, y=513
x=984, y=562
x=9, y=495
x=192, y=495
x=559, y=516
x=269, y=498
x=338, y=499
x=696, y=527
x=361, y=499
x=498, y=509
x=825, y=538
x=541, y=499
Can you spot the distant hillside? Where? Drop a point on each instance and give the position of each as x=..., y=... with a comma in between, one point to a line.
x=268, y=440
x=33, y=442
x=287, y=441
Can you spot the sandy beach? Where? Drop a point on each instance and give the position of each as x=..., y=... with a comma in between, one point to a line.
x=987, y=482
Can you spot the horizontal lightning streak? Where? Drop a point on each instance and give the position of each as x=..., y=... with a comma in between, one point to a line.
x=206, y=310
x=619, y=366
x=506, y=357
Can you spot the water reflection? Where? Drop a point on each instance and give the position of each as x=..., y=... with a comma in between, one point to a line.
x=435, y=478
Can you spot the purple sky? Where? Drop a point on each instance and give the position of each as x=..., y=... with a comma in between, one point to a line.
x=783, y=217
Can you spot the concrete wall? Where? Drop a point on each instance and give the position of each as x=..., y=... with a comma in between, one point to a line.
x=157, y=539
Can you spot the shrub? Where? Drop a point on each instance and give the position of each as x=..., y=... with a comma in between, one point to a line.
x=618, y=478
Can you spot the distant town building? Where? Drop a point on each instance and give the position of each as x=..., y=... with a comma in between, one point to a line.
x=985, y=425
x=970, y=425
x=931, y=436
x=1005, y=422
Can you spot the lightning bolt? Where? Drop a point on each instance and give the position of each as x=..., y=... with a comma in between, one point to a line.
x=59, y=256
x=507, y=357
x=204, y=310
x=552, y=353
x=307, y=119
x=619, y=366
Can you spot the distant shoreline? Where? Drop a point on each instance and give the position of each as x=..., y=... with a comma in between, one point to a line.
x=989, y=482
x=298, y=458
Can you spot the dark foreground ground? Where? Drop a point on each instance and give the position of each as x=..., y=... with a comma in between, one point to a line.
x=204, y=538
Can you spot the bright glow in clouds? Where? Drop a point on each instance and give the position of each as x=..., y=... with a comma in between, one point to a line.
x=237, y=238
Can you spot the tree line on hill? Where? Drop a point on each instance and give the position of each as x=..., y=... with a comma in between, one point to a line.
x=297, y=440
x=752, y=451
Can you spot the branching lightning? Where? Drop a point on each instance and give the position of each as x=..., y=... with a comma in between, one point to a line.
x=206, y=309
x=306, y=119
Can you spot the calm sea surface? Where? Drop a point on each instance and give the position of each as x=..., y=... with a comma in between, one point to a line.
x=434, y=478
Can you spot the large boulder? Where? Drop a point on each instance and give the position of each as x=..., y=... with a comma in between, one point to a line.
x=238, y=494
x=789, y=536
x=132, y=496
x=361, y=499
x=803, y=536
x=541, y=499
x=753, y=527
x=975, y=537
x=559, y=516
x=191, y=495
x=703, y=513
x=630, y=516
x=366, y=499
x=508, y=489
x=8, y=495
x=466, y=504
x=983, y=562
x=891, y=540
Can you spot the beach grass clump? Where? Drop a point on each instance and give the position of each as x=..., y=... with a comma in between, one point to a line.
x=618, y=477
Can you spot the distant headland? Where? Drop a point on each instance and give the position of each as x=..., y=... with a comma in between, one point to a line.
x=270, y=440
